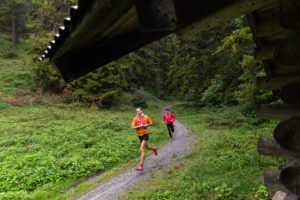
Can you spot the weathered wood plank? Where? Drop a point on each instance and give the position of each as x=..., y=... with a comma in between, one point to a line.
x=223, y=15
x=276, y=82
x=291, y=20
x=265, y=53
x=287, y=6
x=126, y=23
x=279, y=69
x=101, y=16
x=278, y=111
x=287, y=134
x=288, y=52
x=291, y=93
x=292, y=197
x=272, y=27
x=272, y=180
x=270, y=147
x=157, y=15
x=290, y=176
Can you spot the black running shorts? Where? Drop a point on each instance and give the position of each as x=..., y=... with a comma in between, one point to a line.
x=144, y=137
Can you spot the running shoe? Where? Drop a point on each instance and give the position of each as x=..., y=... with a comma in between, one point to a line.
x=155, y=151
x=171, y=139
x=140, y=168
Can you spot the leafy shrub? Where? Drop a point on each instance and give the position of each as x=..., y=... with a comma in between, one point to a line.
x=10, y=54
x=6, y=49
x=139, y=97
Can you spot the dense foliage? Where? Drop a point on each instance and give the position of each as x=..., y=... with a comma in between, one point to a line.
x=50, y=147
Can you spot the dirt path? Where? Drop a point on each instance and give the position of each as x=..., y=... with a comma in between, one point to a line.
x=111, y=189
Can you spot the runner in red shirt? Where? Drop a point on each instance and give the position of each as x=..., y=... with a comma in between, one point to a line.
x=169, y=118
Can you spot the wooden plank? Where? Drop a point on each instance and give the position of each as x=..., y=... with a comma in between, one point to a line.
x=279, y=69
x=223, y=15
x=265, y=53
x=271, y=11
x=290, y=176
x=288, y=52
x=119, y=27
x=287, y=134
x=101, y=16
x=276, y=82
x=291, y=93
x=278, y=111
x=272, y=180
x=158, y=15
x=270, y=147
x=292, y=197
x=269, y=27
x=291, y=20
x=288, y=5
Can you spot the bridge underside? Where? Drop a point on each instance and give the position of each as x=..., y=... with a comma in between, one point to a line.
x=99, y=31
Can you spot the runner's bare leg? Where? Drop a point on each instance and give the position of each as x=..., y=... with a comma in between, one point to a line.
x=148, y=146
x=143, y=145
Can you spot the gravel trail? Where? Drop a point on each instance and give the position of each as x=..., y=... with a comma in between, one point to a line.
x=111, y=189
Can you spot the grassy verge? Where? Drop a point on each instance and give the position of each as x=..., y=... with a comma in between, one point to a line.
x=45, y=149
x=224, y=165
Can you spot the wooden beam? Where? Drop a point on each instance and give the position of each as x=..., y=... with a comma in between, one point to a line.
x=278, y=111
x=272, y=180
x=288, y=52
x=291, y=20
x=292, y=197
x=279, y=69
x=230, y=12
x=288, y=5
x=99, y=18
x=157, y=15
x=272, y=27
x=122, y=25
x=290, y=176
x=265, y=53
x=276, y=82
x=290, y=93
x=270, y=147
x=287, y=134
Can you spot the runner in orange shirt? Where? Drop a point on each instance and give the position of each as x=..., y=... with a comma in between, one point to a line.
x=140, y=123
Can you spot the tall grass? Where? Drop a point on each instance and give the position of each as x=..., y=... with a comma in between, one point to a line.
x=51, y=147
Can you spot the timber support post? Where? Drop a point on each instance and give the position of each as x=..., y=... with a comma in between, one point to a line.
x=277, y=32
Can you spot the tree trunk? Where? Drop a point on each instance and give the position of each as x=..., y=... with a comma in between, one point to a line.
x=54, y=27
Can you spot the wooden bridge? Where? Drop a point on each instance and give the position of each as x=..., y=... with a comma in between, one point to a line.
x=99, y=31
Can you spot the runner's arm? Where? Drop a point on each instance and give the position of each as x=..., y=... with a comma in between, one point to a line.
x=173, y=117
x=133, y=126
x=149, y=122
x=164, y=118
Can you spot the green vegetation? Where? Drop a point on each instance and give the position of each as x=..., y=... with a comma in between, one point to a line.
x=224, y=164
x=52, y=147
x=53, y=135
x=49, y=142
